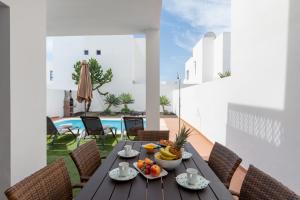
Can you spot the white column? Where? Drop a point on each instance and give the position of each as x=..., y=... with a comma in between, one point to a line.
x=23, y=90
x=152, y=79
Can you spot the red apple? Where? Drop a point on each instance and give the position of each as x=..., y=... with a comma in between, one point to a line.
x=155, y=170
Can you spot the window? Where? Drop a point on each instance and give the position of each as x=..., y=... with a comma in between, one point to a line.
x=51, y=75
x=187, y=74
x=195, y=67
x=98, y=52
x=86, y=52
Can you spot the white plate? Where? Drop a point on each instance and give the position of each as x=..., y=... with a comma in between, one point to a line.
x=186, y=155
x=133, y=153
x=114, y=174
x=202, y=183
x=162, y=173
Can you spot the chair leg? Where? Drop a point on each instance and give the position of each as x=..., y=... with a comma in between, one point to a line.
x=54, y=138
x=78, y=141
x=70, y=130
x=114, y=133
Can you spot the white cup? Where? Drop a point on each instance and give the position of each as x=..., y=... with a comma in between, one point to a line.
x=123, y=169
x=192, y=176
x=127, y=149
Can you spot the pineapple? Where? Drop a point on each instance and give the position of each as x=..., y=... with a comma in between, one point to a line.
x=181, y=139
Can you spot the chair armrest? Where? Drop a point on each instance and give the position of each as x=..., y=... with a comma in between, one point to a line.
x=84, y=178
x=234, y=193
x=78, y=185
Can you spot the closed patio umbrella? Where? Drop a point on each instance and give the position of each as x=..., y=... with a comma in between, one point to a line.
x=85, y=88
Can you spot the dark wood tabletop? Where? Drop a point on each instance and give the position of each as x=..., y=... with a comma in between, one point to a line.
x=101, y=187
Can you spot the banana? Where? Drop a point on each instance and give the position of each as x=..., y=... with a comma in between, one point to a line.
x=166, y=157
x=166, y=153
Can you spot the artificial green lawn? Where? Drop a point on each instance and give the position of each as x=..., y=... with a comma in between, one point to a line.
x=66, y=143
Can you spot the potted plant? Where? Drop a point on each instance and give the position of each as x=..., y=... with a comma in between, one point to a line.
x=111, y=100
x=164, y=101
x=126, y=99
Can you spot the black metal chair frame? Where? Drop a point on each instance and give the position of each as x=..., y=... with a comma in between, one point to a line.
x=52, y=130
x=97, y=130
x=138, y=121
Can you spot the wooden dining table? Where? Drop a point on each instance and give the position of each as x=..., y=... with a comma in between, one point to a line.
x=102, y=187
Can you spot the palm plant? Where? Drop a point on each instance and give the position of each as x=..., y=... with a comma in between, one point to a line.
x=111, y=100
x=164, y=101
x=225, y=74
x=126, y=99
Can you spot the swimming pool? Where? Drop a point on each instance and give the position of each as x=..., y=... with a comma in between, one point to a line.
x=118, y=123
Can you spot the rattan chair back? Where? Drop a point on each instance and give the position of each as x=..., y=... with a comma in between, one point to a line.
x=93, y=125
x=152, y=135
x=224, y=163
x=86, y=158
x=259, y=185
x=50, y=183
x=133, y=125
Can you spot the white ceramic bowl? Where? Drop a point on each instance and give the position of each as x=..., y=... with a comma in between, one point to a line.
x=167, y=164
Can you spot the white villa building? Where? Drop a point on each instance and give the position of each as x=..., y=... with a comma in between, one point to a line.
x=211, y=55
x=124, y=54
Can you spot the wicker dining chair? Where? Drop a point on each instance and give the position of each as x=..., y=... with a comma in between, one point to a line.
x=87, y=159
x=152, y=135
x=224, y=163
x=50, y=183
x=133, y=125
x=258, y=185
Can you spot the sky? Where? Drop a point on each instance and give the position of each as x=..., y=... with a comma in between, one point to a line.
x=183, y=24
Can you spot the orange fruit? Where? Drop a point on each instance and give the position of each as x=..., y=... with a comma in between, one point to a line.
x=140, y=164
x=148, y=161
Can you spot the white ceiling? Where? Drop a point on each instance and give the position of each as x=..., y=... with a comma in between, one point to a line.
x=102, y=17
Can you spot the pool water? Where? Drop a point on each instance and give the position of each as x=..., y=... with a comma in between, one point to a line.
x=118, y=123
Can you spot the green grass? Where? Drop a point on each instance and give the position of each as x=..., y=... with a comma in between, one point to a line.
x=66, y=143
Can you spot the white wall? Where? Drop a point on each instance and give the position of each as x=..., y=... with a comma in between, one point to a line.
x=256, y=111
x=55, y=100
x=208, y=57
x=193, y=72
x=211, y=55
x=27, y=90
x=124, y=54
x=222, y=54
x=204, y=106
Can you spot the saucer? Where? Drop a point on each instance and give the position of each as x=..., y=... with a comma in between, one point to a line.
x=186, y=155
x=132, y=154
x=114, y=174
x=202, y=183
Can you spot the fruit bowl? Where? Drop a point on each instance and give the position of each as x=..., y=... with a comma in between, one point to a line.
x=166, y=164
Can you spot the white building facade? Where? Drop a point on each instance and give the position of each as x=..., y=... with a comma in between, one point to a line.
x=124, y=54
x=211, y=55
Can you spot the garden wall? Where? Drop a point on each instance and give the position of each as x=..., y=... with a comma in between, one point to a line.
x=55, y=99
